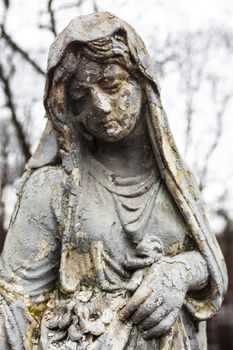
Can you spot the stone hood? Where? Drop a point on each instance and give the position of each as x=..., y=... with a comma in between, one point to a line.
x=174, y=172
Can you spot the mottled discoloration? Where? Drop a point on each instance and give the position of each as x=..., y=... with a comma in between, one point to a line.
x=109, y=246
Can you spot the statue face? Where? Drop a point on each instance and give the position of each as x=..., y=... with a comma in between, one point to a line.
x=105, y=100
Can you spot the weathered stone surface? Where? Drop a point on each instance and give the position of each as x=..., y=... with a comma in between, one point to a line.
x=109, y=246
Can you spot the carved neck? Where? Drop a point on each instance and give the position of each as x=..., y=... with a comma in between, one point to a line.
x=128, y=157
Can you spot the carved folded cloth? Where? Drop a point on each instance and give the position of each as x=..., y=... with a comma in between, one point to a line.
x=176, y=175
x=122, y=228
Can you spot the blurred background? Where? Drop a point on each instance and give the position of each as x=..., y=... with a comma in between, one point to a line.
x=192, y=51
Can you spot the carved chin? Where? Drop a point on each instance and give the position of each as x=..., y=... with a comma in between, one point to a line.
x=115, y=133
x=113, y=129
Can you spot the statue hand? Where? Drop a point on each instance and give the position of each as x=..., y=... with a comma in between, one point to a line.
x=156, y=304
x=148, y=250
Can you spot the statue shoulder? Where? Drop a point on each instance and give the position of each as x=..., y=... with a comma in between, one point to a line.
x=47, y=177
x=40, y=190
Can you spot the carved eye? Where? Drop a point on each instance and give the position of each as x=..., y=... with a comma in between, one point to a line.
x=76, y=93
x=111, y=86
x=79, y=100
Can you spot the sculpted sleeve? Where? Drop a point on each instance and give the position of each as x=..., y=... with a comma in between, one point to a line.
x=30, y=259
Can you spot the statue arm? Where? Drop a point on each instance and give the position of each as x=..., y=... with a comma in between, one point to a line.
x=29, y=262
x=195, y=269
x=30, y=258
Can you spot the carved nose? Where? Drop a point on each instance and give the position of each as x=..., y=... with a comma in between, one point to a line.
x=101, y=101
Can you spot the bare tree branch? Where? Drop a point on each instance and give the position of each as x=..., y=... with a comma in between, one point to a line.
x=15, y=47
x=52, y=18
x=216, y=141
x=3, y=182
x=95, y=6
x=189, y=119
x=166, y=59
x=6, y=3
x=9, y=100
x=71, y=5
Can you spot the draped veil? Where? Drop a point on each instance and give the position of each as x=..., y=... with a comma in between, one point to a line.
x=59, y=139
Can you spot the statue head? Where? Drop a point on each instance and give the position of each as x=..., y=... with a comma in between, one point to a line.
x=97, y=70
x=105, y=95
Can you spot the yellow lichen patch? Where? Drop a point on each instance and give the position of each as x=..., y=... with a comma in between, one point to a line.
x=58, y=97
x=74, y=267
x=9, y=294
x=68, y=137
x=37, y=311
x=43, y=249
x=176, y=248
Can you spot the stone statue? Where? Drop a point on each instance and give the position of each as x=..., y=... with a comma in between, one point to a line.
x=109, y=246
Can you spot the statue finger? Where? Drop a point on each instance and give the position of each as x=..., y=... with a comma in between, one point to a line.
x=163, y=327
x=138, y=298
x=146, y=308
x=132, y=263
x=155, y=318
